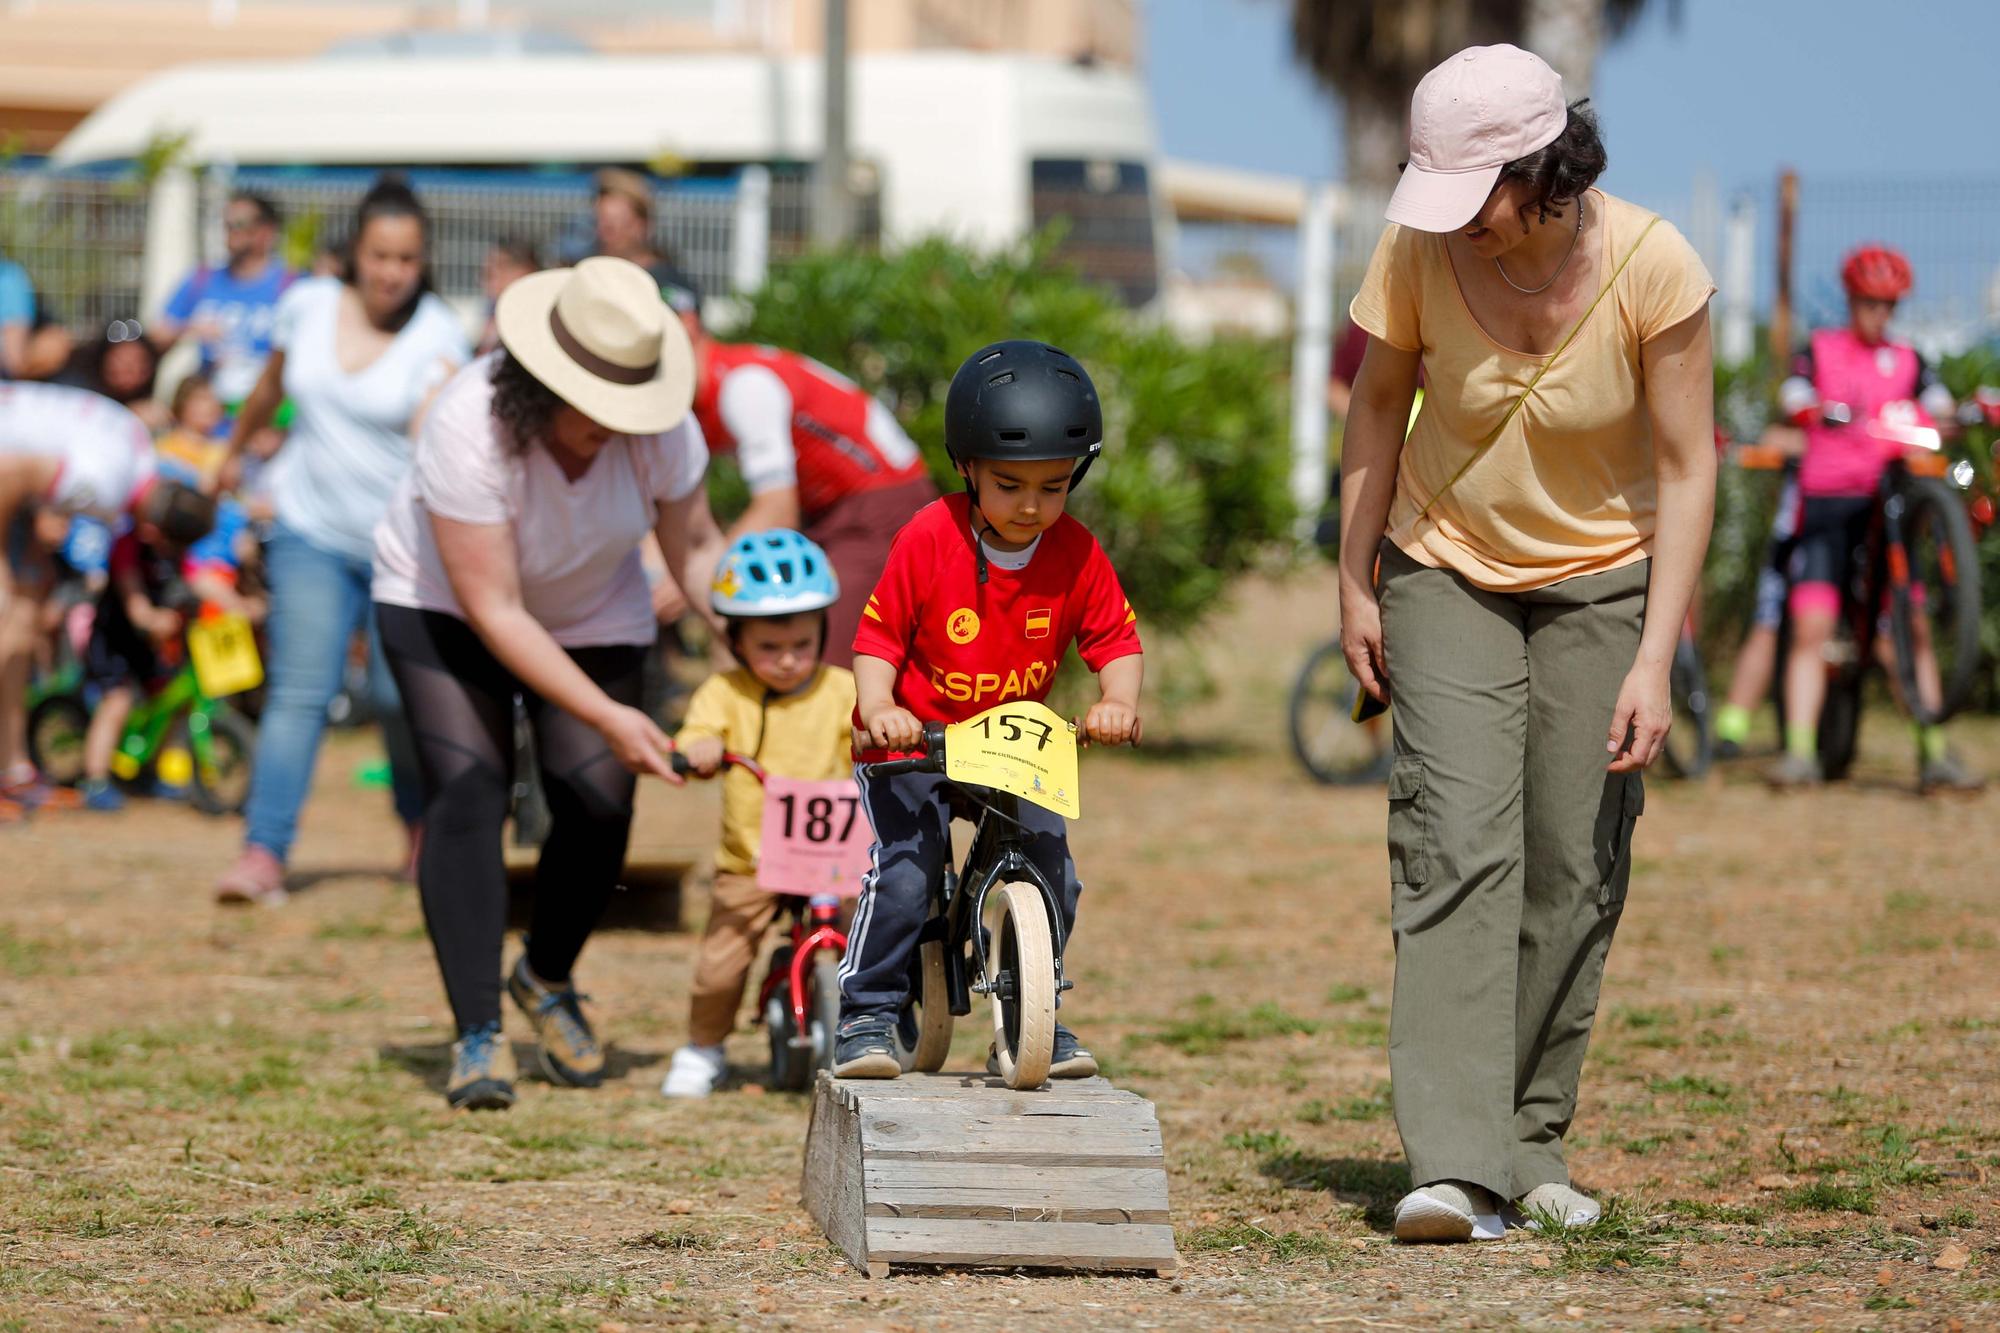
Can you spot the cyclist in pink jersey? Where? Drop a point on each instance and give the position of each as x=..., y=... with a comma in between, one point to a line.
x=1861, y=368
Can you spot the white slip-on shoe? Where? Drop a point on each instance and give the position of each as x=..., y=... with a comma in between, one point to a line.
x=1568, y=1207
x=695, y=1072
x=1448, y=1210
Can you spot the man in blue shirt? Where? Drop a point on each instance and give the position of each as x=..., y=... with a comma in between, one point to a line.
x=229, y=311
x=17, y=317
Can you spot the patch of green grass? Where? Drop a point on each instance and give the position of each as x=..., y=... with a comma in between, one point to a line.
x=674, y=1238
x=1692, y=1085
x=21, y=957
x=1888, y=1300
x=1283, y=1246
x=1635, y=1019
x=1346, y=993
x=1259, y=1141
x=1825, y=1196
x=1721, y=1214
x=1902, y=901
x=1211, y=1027
x=1723, y=954
x=1618, y=1240
x=1377, y=1105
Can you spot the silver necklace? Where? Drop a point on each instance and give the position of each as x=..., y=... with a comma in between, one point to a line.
x=1567, y=256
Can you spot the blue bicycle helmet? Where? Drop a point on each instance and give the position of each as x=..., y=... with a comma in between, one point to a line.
x=775, y=573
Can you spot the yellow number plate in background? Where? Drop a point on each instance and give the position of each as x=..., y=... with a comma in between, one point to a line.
x=1024, y=748
x=225, y=656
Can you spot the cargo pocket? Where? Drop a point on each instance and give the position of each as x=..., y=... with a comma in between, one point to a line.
x=1409, y=822
x=1618, y=876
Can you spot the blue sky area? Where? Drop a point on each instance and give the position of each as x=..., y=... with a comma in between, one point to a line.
x=1888, y=111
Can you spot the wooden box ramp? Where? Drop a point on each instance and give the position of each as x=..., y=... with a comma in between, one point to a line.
x=960, y=1169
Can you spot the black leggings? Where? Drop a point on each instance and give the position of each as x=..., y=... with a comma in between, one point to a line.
x=460, y=702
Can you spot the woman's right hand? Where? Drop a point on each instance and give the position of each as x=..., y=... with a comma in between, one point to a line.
x=639, y=743
x=1361, y=641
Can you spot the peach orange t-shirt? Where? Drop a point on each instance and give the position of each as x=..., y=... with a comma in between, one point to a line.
x=1567, y=486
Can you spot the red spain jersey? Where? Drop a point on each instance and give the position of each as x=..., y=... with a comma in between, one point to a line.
x=844, y=442
x=961, y=648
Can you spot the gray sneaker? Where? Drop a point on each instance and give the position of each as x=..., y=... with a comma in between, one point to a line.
x=1793, y=771
x=1948, y=773
x=865, y=1047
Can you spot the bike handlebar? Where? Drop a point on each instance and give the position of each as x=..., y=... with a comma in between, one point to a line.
x=679, y=763
x=930, y=761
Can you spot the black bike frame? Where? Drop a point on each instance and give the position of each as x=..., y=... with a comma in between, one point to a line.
x=995, y=857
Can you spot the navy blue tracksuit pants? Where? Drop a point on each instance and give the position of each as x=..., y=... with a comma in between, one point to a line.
x=911, y=849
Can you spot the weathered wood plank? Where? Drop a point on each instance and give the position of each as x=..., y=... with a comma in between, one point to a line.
x=830, y=1185
x=953, y=1087
x=1010, y=1244
x=1012, y=1192
x=1029, y=1139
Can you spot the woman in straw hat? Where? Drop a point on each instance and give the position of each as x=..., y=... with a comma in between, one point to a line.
x=509, y=563
x=1514, y=578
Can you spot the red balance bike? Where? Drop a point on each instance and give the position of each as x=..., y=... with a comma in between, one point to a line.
x=806, y=828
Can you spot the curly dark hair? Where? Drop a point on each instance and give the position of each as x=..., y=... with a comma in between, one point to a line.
x=522, y=404
x=1564, y=169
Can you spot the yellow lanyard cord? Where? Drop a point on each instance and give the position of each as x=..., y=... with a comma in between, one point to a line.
x=1515, y=407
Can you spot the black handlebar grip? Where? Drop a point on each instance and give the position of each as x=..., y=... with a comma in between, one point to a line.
x=679, y=763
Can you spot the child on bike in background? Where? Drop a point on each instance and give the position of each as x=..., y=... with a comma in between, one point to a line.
x=140, y=615
x=788, y=710
x=982, y=597
x=1861, y=368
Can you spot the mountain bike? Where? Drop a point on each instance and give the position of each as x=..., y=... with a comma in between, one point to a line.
x=221, y=741
x=1017, y=964
x=799, y=1000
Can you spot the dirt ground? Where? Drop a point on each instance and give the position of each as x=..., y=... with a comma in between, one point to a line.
x=1792, y=1102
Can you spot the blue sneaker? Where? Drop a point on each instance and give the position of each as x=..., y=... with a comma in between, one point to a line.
x=1067, y=1058
x=101, y=795
x=865, y=1047
x=482, y=1071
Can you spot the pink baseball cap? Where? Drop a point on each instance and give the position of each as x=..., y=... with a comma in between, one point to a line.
x=1471, y=116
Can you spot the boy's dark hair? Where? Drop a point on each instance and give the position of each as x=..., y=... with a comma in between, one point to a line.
x=522, y=404
x=182, y=514
x=267, y=212
x=391, y=197
x=1566, y=167
x=520, y=249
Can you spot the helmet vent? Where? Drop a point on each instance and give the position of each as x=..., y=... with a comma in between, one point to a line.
x=993, y=355
x=1078, y=432
x=1012, y=436
x=1067, y=374
x=1004, y=377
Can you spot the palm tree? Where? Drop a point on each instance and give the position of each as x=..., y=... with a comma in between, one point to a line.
x=1372, y=52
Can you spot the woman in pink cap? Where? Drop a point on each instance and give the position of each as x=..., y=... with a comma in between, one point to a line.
x=1514, y=578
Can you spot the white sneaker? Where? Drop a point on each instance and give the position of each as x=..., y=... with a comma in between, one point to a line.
x=1575, y=1209
x=695, y=1072
x=1449, y=1210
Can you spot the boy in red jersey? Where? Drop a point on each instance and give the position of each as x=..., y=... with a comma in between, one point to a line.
x=982, y=595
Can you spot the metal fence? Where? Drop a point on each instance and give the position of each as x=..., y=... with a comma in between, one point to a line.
x=82, y=240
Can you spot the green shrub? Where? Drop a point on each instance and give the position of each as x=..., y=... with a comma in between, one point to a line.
x=1192, y=486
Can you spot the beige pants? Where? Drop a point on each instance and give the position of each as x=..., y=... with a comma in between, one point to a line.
x=738, y=915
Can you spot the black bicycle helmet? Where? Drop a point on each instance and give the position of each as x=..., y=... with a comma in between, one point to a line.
x=1025, y=401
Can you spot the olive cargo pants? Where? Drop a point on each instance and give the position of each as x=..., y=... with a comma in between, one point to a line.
x=1509, y=852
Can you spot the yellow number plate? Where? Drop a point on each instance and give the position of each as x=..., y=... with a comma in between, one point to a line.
x=1024, y=748
x=225, y=656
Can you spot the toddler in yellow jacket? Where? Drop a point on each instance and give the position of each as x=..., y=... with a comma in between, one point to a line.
x=789, y=711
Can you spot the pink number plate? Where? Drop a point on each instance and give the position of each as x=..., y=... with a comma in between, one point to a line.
x=816, y=838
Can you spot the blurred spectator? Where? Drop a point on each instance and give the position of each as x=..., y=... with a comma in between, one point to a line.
x=17, y=317
x=624, y=214
x=330, y=260
x=197, y=437
x=122, y=365
x=507, y=259
x=229, y=311
x=50, y=348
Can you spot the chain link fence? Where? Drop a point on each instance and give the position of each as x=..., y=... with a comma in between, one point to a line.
x=82, y=240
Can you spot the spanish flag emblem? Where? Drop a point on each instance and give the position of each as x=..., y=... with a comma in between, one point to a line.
x=1038, y=623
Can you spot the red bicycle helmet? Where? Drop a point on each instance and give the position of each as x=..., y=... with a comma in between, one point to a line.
x=1876, y=273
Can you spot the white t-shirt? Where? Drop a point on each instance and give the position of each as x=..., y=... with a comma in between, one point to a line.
x=576, y=542
x=106, y=451
x=348, y=446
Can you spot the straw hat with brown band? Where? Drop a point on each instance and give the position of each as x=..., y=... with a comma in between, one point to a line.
x=601, y=339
